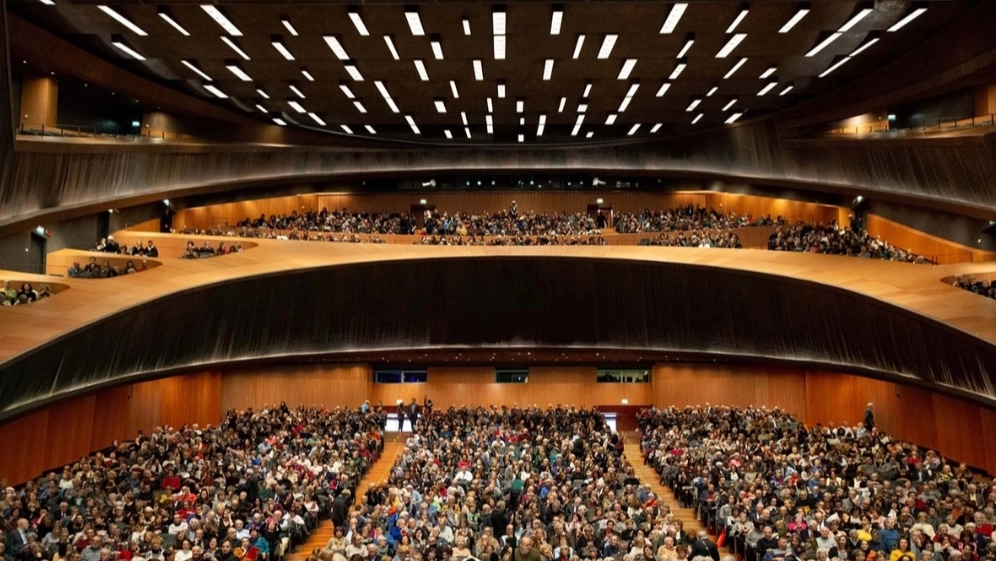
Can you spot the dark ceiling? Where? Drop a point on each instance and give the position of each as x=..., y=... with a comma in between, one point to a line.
x=530, y=44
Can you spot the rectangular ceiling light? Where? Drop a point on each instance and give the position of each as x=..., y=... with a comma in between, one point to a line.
x=732, y=119
x=626, y=69
x=411, y=122
x=590, y=134
x=353, y=72
x=387, y=96
x=633, y=129
x=698, y=118
x=414, y=22
x=611, y=119
x=695, y=103
x=422, y=74
x=563, y=103
x=123, y=20
x=307, y=75
x=220, y=18
x=196, y=70
x=359, y=106
x=730, y=45
x=633, y=89
x=587, y=89
x=261, y=108
x=317, y=119
x=802, y=12
x=340, y=53
x=390, y=47
x=437, y=49
x=463, y=117
x=280, y=122
x=498, y=21
x=501, y=89
x=577, y=46
x=466, y=26
x=673, y=17
x=855, y=19
x=262, y=93
x=168, y=18
x=556, y=20
x=491, y=106
x=678, y=68
x=730, y=104
x=490, y=122
x=582, y=108
x=577, y=125
x=522, y=138
x=466, y=131
x=837, y=65
x=217, y=93
x=548, y=69
x=448, y=134
x=347, y=129
x=689, y=41
x=787, y=89
x=499, y=47
x=663, y=89
x=744, y=10
x=239, y=73
x=656, y=128
x=478, y=70
x=910, y=17
x=607, y=44
x=824, y=43
x=767, y=88
x=345, y=89
x=440, y=106
x=862, y=48
x=453, y=89
x=296, y=106
x=289, y=26
x=624, y=104
x=712, y=90
x=235, y=47
x=278, y=44
x=296, y=91
x=736, y=67
x=520, y=106
x=771, y=70
x=370, y=129
x=120, y=43
x=541, y=126
x=361, y=28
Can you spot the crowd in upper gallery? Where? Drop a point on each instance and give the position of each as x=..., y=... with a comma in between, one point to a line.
x=105, y=270
x=781, y=491
x=110, y=245
x=252, y=488
x=835, y=240
x=979, y=286
x=11, y=296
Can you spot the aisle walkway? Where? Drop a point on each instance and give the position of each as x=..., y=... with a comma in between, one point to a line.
x=394, y=443
x=665, y=497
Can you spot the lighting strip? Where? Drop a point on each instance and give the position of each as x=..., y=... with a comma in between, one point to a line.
x=733, y=118
x=663, y=89
x=347, y=129
x=390, y=47
x=698, y=118
x=414, y=22
x=501, y=89
x=582, y=108
x=296, y=91
x=563, y=103
x=577, y=125
x=221, y=20
x=767, y=73
x=176, y=25
x=239, y=73
x=577, y=46
x=587, y=89
x=627, y=68
x=607, y=44
x=556, y=20
x=448, y=134
x=695, y=103
x=590, y=134
x=902, y=23
x=437, y=49
x=122, y=45
x=522, y=138
x=278, y=44
x=466, y=131
x=359, y=106
x=340, y=53
x=835, y=66
x=688, y=45
x=361, y=28
x=490, y=122
x=370, y=129
x=123, y=20
x=466, y=26
x=520, y=106
x=712, y=90
x=491, y=106
x=387, y=96
x=296, y=106
x=674, y=17
x=862, y=48
x=767, y=88
x=217, y=93
x=235, y=48
x=729, y=105
x=855, y=20
x=633, y=130
x=262, y=93
x=478, y=70
x=611, y=119
x=541, y=126
x=453, y=89
x=678, y=69
x=730, y=45
x=548, y=69
x=353, y=71
x=736, y=67
x=289, y=26
x=744, y=10
x=802, y=12
x=823, y=44
x=786, y=90
x=463, y=118
x=261, y=108
x=317, y=119
x=411, y=122
x=420, y=67
x=307, y=75
x=196, y=70
x=280, y=122
x=499, y=50
x=498, y=21
x=440, y=106
x=345, y=89
x=656, y=128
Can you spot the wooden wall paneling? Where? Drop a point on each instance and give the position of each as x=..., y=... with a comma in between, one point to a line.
x=58, y=262
x=70, y=427
x=914, y=418
x=190, y=399
x=988, y=437
x=111, y=417
x=144, y=407
x=943, y=251
x=23, y=444
x=147, y=226
x=959, y=430
x=311, y=385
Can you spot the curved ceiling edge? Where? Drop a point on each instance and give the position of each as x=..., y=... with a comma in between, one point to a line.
x=558, y=302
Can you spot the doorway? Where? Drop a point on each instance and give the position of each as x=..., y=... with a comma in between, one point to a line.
x=36, y=254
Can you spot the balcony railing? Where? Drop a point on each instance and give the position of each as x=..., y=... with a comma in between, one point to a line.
x=81, y=131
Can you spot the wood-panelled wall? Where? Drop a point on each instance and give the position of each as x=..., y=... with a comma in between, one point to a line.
x=65, y=431
x=58, y=262
x=310, y=385
x=231, y=213
x=944, y=251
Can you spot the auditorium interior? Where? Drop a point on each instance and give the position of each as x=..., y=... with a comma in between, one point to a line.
x=605, y=280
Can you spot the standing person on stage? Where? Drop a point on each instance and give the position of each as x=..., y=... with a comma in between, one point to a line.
x=413, y=410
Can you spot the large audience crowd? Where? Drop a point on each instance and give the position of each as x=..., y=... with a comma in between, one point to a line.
x=781, y=491
x=979, y=286
x=105, y=270
x=836, y=240
x=247, y=490
x=687, y=218
x=110, y=245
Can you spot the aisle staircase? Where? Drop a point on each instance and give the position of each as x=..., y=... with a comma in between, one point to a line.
x=393, y=445
x=665, y=497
